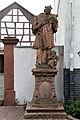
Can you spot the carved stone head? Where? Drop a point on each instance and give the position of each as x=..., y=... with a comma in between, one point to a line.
x=47, y=9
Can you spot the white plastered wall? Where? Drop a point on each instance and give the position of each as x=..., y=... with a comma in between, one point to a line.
x=24, y=61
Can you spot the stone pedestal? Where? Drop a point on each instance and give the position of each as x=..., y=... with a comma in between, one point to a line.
x=44, y=93
x=9, y=93
x=44, y=103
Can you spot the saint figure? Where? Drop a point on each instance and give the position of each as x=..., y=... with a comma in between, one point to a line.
x=44, y=26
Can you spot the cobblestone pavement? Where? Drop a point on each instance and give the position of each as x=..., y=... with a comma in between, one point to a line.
x=11, y=113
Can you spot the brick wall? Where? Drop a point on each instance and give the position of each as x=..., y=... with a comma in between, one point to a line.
x=76, y=83
x=71, y=84
x=66, y=84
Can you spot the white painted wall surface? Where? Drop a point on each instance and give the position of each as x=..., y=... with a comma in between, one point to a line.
x=24, y=61
x=65, y=34
x=61, y=23
x=69, y=31
x=76, y=33
x=59, y=77
x=62, y=37
x=67, y=40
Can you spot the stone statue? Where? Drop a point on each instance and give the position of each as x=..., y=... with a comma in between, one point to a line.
x=44, y=26
x=44, y=103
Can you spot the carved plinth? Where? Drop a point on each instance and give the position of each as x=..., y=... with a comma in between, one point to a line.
x=44, y=93
x=44, y=103
x=45, y=113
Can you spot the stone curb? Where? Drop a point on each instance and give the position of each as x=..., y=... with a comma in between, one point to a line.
x=71, y=118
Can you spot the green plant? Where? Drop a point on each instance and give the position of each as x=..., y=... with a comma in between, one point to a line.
x=72, y=107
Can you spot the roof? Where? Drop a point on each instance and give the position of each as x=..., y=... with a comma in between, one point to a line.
x=15, y=5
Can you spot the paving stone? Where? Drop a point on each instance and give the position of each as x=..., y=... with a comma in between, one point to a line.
x=11, y=113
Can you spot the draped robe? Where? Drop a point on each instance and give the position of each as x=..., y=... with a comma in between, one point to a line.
x=43, y=27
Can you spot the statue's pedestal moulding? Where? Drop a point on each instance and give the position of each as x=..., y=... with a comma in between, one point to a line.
x=44, y=103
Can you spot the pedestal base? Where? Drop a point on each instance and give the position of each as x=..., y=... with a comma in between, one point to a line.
x=45, y=113
x=44, y=103
x=44, y=92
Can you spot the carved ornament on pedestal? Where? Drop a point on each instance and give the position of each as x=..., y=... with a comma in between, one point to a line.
x=44, y=93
